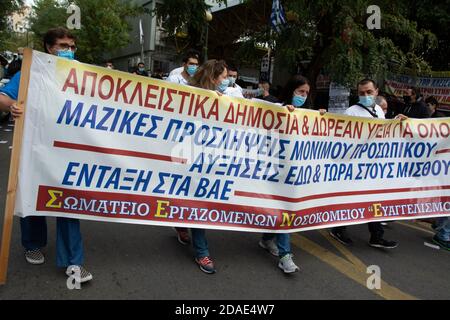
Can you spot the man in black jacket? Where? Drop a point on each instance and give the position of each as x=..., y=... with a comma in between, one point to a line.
x=415, y=106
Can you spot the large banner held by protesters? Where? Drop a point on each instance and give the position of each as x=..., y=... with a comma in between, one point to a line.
x=105, y=145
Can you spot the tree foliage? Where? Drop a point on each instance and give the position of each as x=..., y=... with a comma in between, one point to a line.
x=7, y=7
x=185, y=21
x=104, y=25
x=334, y=36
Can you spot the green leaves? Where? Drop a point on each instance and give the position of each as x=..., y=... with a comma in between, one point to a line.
x=7, y=7
x=345, y=47
x=104, y=26
x=184, y=18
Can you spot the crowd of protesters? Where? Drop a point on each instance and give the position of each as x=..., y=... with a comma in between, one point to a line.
x=219, y=76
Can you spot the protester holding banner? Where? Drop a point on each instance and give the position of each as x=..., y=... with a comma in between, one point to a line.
x=69, y=246
x=295, y=94
x=212, y=75
x=366, y=107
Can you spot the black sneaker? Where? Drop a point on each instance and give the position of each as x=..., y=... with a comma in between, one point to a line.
x=341, y=237
x=441, y=243
x=381, y=243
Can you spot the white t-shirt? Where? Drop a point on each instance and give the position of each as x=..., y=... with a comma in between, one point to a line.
x=176, y=71
x=358, y=111
x=235, y=91
x=177, y=78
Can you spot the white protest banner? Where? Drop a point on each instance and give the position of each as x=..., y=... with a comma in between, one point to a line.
x=104, y=145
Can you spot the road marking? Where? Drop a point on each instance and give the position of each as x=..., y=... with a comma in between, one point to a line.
x=392, y=292
x=409, y=225
x=427, y=244
x=353, y=259
x=355, y=271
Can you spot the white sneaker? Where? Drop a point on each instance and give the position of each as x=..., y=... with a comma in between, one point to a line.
x=270, y=246
x=287, y=264
x=34, y=256
x=79, y=271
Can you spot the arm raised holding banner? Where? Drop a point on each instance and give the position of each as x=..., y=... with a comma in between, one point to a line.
x=59, y=42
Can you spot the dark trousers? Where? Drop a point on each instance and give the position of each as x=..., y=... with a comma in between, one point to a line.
x=375, y=228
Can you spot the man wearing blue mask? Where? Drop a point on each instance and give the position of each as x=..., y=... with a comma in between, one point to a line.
x=367, y=108
x=233, y=89
x=140, y=70
x=190, y=65
x=69, y=245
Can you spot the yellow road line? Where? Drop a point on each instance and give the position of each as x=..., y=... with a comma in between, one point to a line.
x=352, y=258
x=354, y=272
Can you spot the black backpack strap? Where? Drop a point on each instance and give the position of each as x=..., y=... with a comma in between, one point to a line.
x=372, y=113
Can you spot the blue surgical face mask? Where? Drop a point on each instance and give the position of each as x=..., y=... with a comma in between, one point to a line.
x=191, y=69
x=141, y=69
x=367, y=101
x=67, y=54
x=298, y=101
x=223, y=85
x=232, y=80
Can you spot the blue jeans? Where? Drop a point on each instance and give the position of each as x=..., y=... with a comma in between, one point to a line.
x=443, y=228
x=283, y=242
x=200, y=243
x=69, y=245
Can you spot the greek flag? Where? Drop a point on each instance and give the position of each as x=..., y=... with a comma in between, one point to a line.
x=277, y=18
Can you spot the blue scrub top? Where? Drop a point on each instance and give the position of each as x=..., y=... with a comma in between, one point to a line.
x=12, y=87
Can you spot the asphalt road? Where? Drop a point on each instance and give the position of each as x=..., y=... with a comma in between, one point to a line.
x=145, y=262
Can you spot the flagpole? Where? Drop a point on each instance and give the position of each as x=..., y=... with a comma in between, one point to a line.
x=141, y=39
